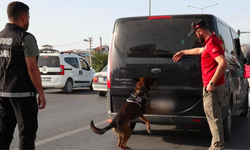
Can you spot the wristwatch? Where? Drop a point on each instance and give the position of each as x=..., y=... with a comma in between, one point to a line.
x=212, y=83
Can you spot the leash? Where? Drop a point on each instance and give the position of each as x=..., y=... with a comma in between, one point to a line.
x=186, y=110
x=181, y=112
x=215, y=91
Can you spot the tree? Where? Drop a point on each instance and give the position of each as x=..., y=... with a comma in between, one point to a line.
x=99, y=61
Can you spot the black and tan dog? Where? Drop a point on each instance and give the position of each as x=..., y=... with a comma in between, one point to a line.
x=137, y=104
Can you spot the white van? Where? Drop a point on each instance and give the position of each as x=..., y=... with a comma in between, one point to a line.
x=65, y=71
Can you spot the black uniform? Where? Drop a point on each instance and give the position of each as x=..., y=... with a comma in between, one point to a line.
x=18, y=104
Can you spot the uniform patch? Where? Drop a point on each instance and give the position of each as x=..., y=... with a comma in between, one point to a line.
x=4, y=53
x=204, y=48
x=216, y=49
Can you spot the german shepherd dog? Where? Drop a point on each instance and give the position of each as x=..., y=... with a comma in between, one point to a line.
x=130, y=111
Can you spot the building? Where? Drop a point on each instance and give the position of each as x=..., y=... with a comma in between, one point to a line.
x=104, y=48
x=47, y=49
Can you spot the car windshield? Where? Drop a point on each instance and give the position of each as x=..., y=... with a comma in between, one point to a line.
x=49, y=61
x=153, y=38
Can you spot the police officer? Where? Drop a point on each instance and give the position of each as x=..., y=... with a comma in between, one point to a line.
x=213, y=66
x=19, y=79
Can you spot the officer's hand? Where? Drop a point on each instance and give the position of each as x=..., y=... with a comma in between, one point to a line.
x=210, y=88
x=41, y=101
x=178, y=56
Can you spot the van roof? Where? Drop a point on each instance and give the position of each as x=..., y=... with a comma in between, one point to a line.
x=60, y=53
x=172, y=16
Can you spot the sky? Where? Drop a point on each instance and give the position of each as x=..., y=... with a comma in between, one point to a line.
x=65, y=24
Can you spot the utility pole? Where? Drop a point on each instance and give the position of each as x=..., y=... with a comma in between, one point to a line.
x=90, y=54
x=100, y=44
x=242, y=32
x=149, y=7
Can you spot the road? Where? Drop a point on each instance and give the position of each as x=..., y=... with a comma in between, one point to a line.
x=64, y=124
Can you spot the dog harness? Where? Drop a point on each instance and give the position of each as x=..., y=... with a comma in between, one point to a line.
x=139, y=100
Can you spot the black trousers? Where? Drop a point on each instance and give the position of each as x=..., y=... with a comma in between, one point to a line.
x=21, y=111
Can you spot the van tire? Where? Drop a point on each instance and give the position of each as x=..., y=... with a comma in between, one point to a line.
x=102, y=93
x=91, y=86
x=245, y=106
x=68, y=88
x=227, y=123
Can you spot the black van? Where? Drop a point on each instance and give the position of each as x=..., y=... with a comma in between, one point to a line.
x=144, y=46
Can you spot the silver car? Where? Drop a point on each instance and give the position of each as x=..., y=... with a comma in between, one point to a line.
x=100, y=82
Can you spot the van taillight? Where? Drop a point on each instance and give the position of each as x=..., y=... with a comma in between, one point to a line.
x=110, y=63
x=196, y=120
x=95, y=80
x=61, y=69
x=109, y=74
x=159, y=17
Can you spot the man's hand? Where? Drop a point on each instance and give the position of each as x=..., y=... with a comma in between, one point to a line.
x=210, y=88
x=35, y=77
x=178, y=56
x=221, y=68
x=193, y=51
x=41, y=101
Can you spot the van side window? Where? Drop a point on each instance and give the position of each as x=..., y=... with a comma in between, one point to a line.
x=235, y=37
x=84, y=64
x=226, y=37
x=72, y=61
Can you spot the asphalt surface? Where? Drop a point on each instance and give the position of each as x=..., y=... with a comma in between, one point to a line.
x=64, y=124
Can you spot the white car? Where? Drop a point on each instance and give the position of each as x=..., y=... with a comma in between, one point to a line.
x=65, y=71
x=100, y=82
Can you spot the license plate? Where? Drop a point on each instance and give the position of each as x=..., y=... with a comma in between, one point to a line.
x=163, y=104
x=46, y=79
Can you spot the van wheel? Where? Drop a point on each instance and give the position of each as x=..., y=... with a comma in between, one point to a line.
x=91, y=86
x=68, y=88
x=245, y=107
x=101, y=93
x=227, y=123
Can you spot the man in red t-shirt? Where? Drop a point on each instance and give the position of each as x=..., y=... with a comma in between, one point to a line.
x=213, y=66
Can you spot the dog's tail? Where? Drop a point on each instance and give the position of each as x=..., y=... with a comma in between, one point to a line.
x=101, y=131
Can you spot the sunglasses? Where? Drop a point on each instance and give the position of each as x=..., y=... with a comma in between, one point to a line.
x=195, y=33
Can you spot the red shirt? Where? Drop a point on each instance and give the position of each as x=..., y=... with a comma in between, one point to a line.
x=212, y=49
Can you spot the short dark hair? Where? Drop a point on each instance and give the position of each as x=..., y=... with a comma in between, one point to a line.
x=16, y=9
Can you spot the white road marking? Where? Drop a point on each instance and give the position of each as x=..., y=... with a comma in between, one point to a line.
x=65, y=134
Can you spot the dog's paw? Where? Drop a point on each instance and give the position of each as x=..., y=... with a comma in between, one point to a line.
x=128, y=147
x=125, y=148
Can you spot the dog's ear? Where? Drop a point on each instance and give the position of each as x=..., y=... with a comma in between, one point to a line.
x=136, y=79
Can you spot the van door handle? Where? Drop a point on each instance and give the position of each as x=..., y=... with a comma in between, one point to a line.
x=80, y=72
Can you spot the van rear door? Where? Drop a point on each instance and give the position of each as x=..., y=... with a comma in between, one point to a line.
x=49, y=65
x=144, y=47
